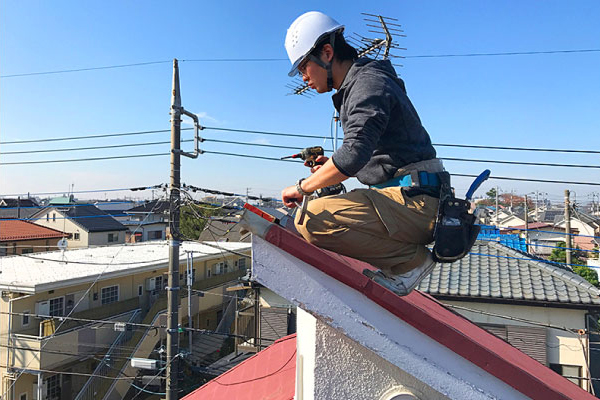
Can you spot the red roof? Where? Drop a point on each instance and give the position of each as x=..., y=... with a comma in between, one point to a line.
x=531, y=225
x=426, y=314
x=11, y=230
x=270, y=374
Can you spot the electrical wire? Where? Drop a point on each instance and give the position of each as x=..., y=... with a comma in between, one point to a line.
x=141, y=188
x=84, y=159
x=87, y=137
x=237, y=60
x=512, y=53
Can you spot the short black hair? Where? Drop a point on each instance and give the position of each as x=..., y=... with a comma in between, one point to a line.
x=342, y=51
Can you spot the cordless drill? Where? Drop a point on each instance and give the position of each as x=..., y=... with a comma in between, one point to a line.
x=308, y=155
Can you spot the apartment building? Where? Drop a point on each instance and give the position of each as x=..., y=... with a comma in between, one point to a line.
x=52, y=343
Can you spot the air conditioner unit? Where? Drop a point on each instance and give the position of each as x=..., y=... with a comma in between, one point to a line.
x=42, y=307
x=150, y=284
x=144, y=363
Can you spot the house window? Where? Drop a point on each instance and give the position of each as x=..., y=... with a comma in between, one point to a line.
x=53, y=387
x=48, y=217
x=242, y=263
x=158, y=282
x=113, y=237
x=25, y=318
x=23, y=396
x=53, y=217
x=571, y=372
x=27, y=250
x=76, y=236
x=140, y=290
x=109, y=294
x=2, y=251
x=57, y=307
x=155, y=235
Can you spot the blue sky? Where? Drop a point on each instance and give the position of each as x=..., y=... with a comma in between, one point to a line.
x=548, y=100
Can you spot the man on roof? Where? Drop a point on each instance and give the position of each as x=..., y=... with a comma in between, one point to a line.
x=385, y=146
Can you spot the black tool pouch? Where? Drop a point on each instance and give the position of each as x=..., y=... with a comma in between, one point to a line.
x=455, y=229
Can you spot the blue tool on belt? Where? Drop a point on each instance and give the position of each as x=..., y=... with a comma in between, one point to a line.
x=455, y=230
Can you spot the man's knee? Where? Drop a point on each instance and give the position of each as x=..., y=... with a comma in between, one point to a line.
x=316, y=223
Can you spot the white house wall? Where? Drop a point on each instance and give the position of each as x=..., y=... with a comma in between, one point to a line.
x=354, y=315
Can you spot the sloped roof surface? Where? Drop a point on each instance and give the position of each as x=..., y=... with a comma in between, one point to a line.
x=270, y=374
x=495, y=271
x=18, y=208
x=8, y=202
x=93, y=219
x=22, y=230
x=424, y=313
x=154, y=206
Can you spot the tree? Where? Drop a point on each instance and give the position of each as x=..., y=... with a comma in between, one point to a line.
x=491, y=194
x=193, y=220
x=559, y=254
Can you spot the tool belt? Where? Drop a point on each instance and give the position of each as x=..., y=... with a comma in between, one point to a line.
x=455, y=230
x=418, y=178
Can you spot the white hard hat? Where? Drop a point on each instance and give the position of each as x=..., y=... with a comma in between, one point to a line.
x=304, y=34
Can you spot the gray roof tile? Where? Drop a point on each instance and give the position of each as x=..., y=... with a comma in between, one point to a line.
x=509, y=274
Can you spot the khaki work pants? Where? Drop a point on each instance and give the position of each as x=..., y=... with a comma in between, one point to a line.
x=383, y=227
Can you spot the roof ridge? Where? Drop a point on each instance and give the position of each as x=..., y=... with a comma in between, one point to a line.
x=560, y=273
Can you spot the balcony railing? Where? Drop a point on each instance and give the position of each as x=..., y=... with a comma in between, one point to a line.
x=44, y=352
x=89, y=391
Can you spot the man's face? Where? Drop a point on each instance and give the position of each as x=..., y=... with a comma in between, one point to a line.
x=314, y=75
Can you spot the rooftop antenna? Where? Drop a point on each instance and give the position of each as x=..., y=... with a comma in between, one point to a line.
x=377, y=48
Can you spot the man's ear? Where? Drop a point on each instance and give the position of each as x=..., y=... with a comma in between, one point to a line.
x=328, y=53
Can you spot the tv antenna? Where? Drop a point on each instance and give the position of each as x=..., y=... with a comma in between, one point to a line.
x=377, y=48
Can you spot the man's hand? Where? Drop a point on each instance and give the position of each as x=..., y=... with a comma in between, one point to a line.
x=290, y=196
x=319, y=161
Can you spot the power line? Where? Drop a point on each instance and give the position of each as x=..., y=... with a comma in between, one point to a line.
x=278, y=147
x=282, y=134
x=516, y=148
x=512, y=53
x=84, y=159
x=140, y=188
x=64, y=71
x=462, y=175
x=236, y=60
x=60, y=139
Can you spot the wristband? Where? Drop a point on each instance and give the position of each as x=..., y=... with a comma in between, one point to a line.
x=299, y=188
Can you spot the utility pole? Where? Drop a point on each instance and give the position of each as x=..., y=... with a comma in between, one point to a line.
x=174, y=242
x=568, y=227
x=526, y=226
x=174, y=234
x=497, y=210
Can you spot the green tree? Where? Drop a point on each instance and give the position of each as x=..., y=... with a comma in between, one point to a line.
x=491, y=194
x=559, y=254
x=193, y=220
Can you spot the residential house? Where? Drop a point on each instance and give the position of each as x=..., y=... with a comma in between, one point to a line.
x=390, y=347
x=18, y=208
x=542, y=237
x=542, y=309
x=148, y=221
x=585, y=226
x=22, y=237
x=52, y=346
x=86, y=224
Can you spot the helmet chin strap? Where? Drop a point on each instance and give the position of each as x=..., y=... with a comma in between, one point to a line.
x=326, y=66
